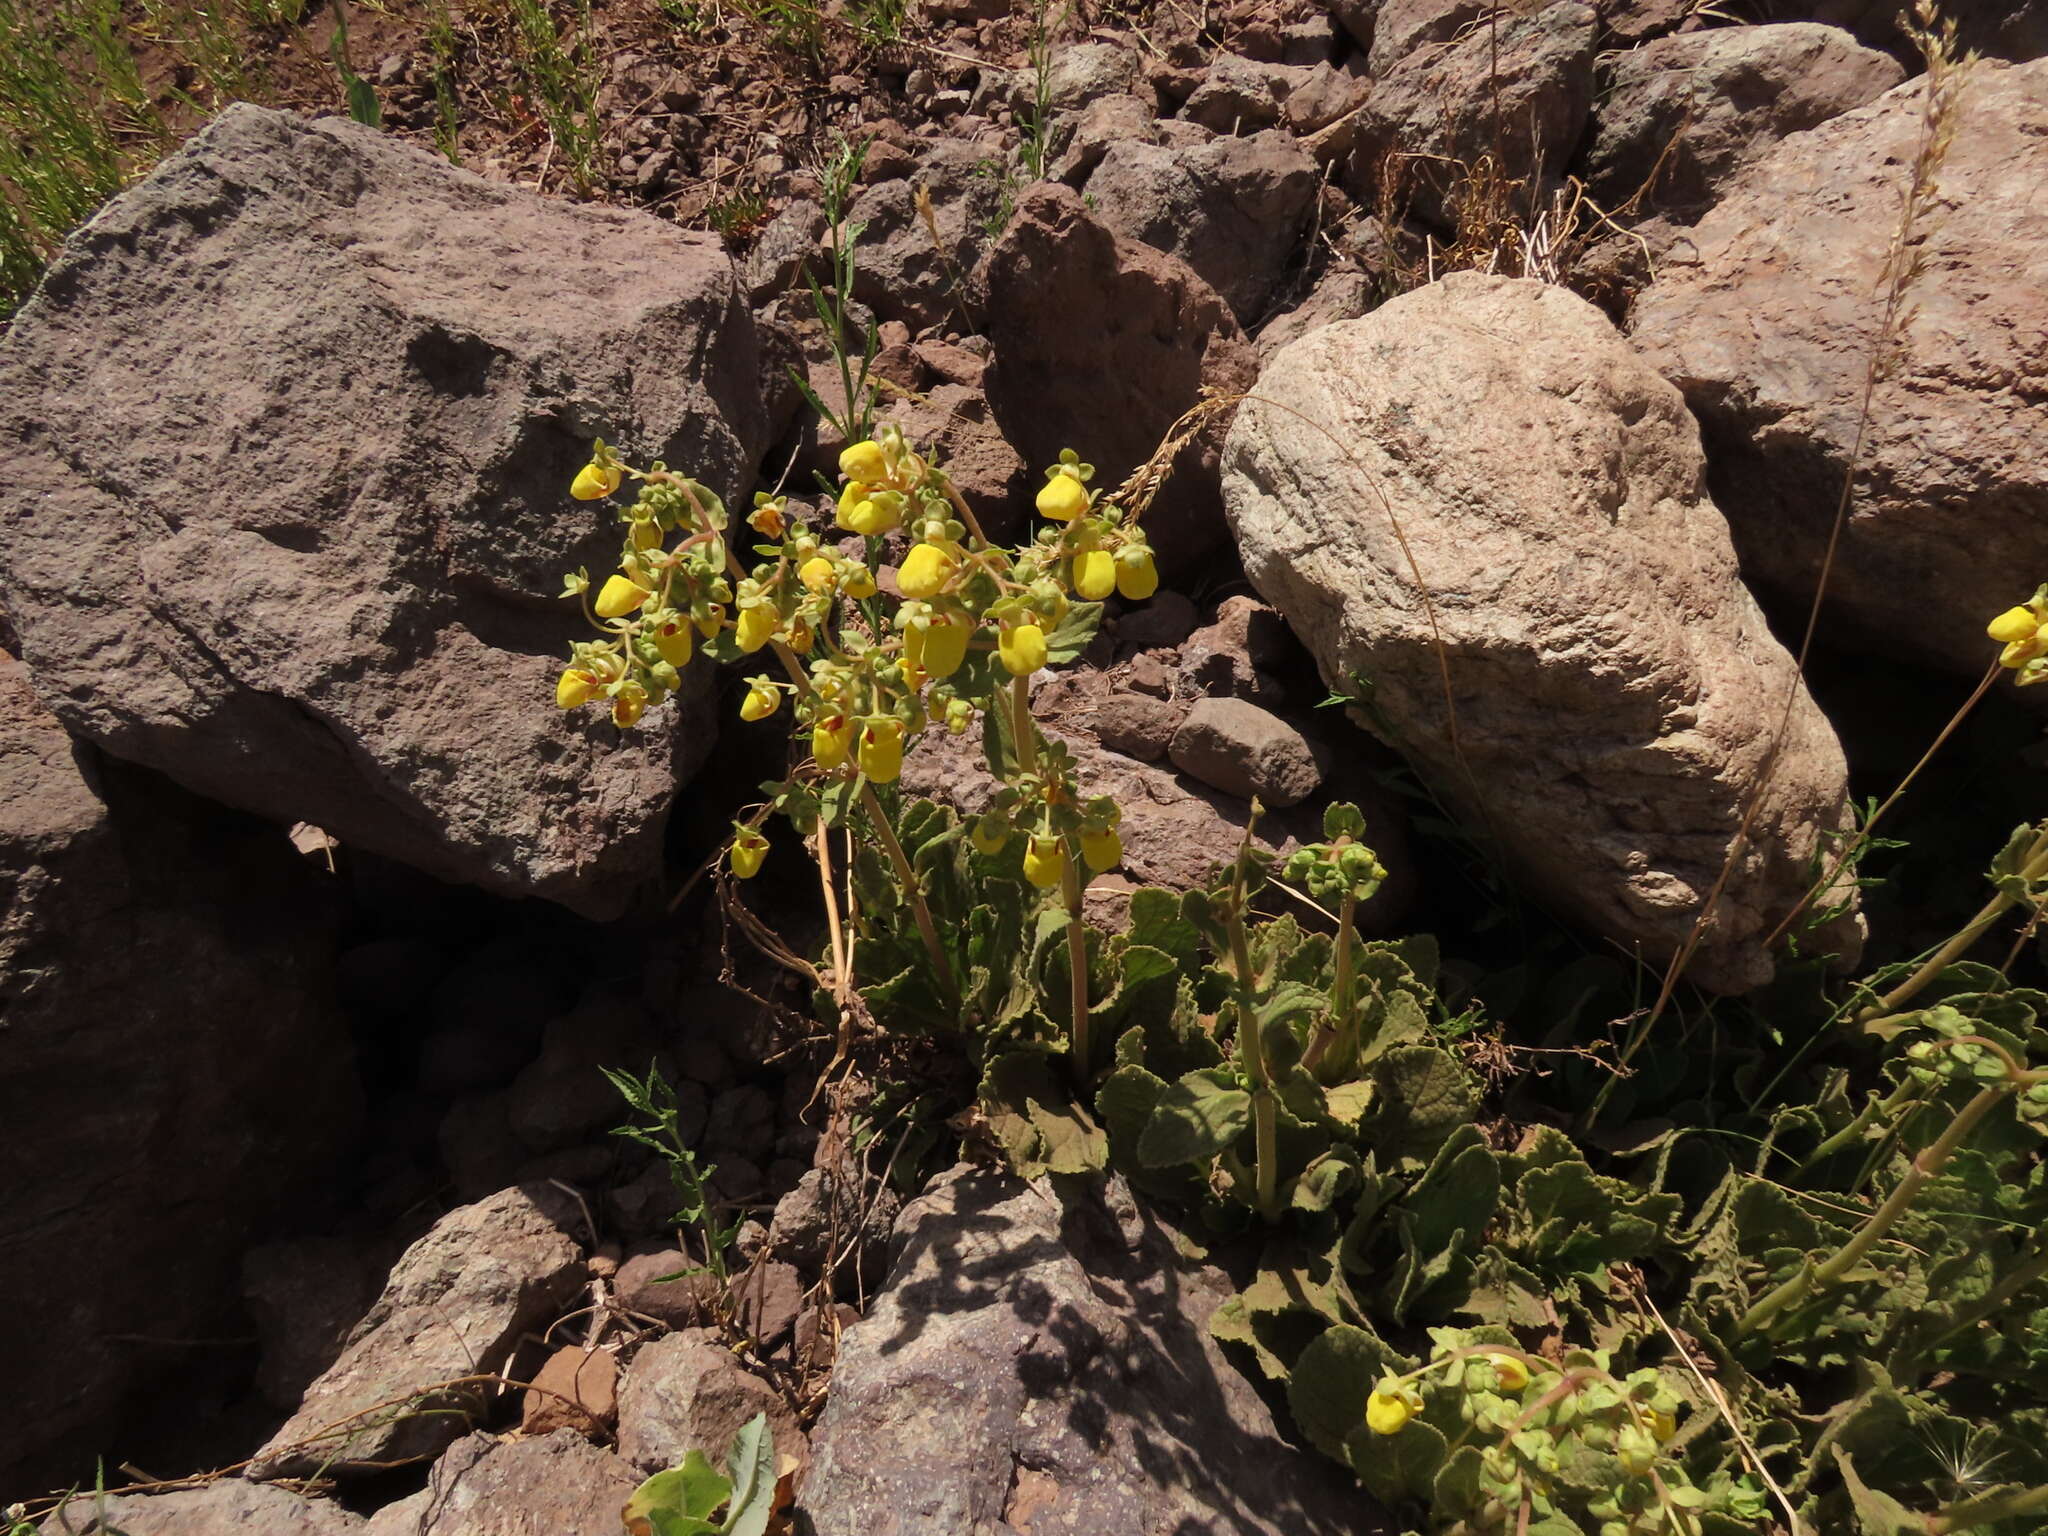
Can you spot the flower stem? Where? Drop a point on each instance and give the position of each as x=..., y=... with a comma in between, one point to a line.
x=1252, y=1050
x=1077, y=961
x=2035, y=866
x=1905, y=1093
x=1922, y=1169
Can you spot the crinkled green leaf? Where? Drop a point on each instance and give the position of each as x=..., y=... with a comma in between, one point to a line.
x=1033, y=1116
x=1195, y=1118
x=1332, y=1380
x=1423, y=1095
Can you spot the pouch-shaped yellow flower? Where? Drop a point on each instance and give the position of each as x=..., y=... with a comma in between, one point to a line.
x=881, y=750
x=1022, y=649
x=1062, y=498
x=925, y=572
x=1044, y=862
x=618, y=597
x=755, y=627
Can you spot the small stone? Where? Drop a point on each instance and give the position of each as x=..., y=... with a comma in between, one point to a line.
x=1244, y=750
x=684, y=1393
x=817, y=1341
x=1137, y=725
x=766, y=1301
x=1149, y=673
x=227, y=1505
x=687, y=1301
x=576, y=1390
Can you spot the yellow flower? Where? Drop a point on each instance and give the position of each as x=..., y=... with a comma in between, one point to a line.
x=2012, y=625
x=817, y=575
x=864, y=461
x=575, y=688
x=926, y=570
x=2020, y=652
x=989, y=840
x=595, y=481
x=644, y=534
x=767, y=519
x=711, y=621
x=1095, y=574
x=800, y=637
x=1513, y=1373
x=938, y=648
x=1387, y=1413
x=628, y=707
x=1044, y=862
x=881, y=750
x=1662, y=1426
x=749, y=848
x=830, y=739
x=755, y=627
x=1136, y=576
x=675, y=642
x=860, y=582
x=619, y=597
x=1103, y=850
x=864, y=510
x=1062, y=498
x=1022, y=649
x=762, y=700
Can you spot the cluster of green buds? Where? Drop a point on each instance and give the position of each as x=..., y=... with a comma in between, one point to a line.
x=1550, y=1436
x=1341, y=868
x=1960, y=1054
x=973, y=624
x=2023, y=631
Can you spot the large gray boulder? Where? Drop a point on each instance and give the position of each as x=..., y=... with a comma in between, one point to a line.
x=1101, y=343
x=1618, y=695
x=1040, y=1360
x=1681, y=117
x=174, y=1074
x=1233, y=209
x=289, y=430
x=1768, y=321
x=1458, y=80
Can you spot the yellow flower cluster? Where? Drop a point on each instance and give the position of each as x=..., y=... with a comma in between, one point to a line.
x=2023, y=631
x=973, y=624
x=652, y=610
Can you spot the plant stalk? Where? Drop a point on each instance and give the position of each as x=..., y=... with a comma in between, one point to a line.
x=1923, y=1168
x=2034, y=868
x=1077, y=961
x=886, y=836
x=1265, y=1109
x=1905, y=1093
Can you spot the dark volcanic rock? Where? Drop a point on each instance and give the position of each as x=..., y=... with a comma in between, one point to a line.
x=1040, y=1361
x=289, y=430
x=174, y=1071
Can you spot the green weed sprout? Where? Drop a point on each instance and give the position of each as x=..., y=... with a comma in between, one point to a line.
x=695, y=1499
